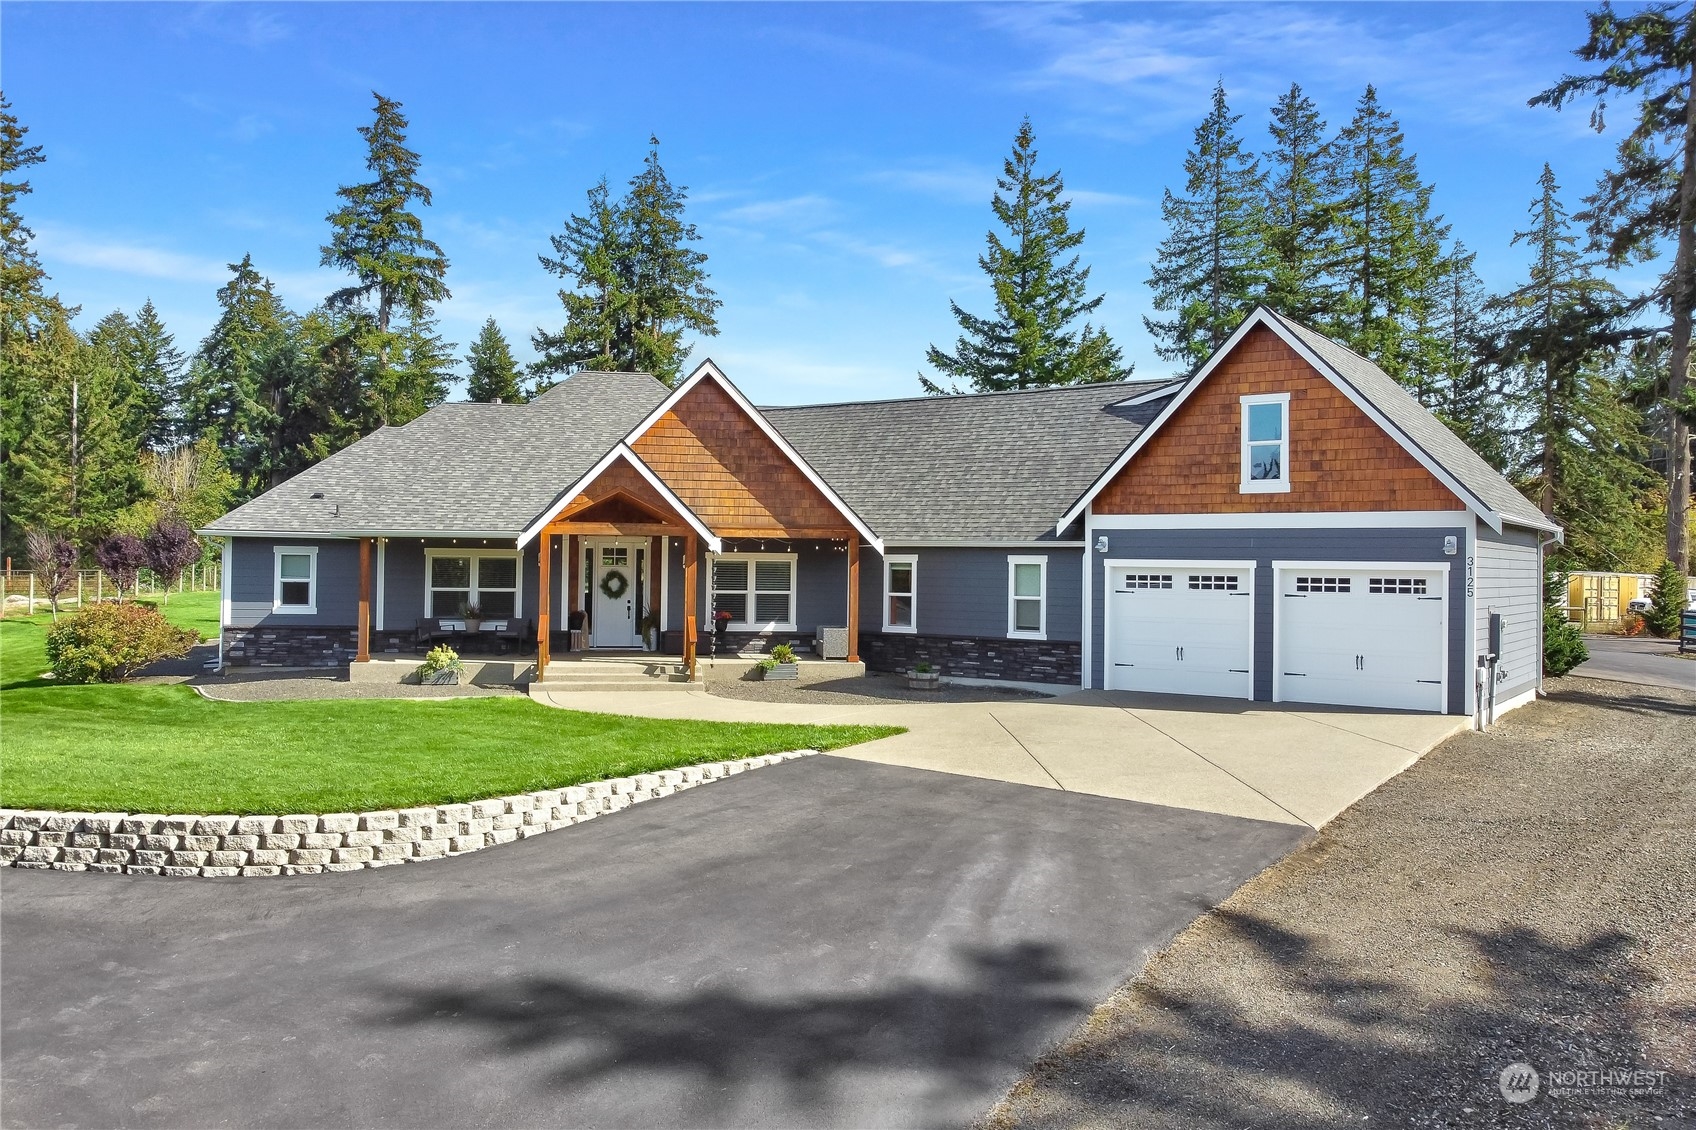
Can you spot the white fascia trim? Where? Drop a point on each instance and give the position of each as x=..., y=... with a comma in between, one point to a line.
x=1152, y=395
x=1342, y=520
x=707, y=369
x=1087, y=628
x=1164, y=563
x=1262, y=317
x=620, y=451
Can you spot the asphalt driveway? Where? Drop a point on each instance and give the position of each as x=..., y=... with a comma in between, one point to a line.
x=827, y=942
x=1643, y=660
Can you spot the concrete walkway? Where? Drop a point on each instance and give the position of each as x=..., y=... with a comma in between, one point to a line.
x=1256, y=760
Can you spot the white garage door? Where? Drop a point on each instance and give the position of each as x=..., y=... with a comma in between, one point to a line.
x=1181, y=629
x=1361, y=636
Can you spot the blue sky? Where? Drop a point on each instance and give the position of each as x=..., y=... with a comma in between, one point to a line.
x=840, y=157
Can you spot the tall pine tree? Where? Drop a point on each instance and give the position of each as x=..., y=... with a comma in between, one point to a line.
x=1580, y=443
x=635, y=285
x=223, y=396
x=378, y=239
x=1389, y=247
x=158, y=367
x=1033, y=339
x=1461, y=387
x=1299, y=215
x=1209, y=271
x=1648, y=200
x=493, y=374
x=21, y=276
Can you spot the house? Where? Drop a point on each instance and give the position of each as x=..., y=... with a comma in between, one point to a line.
x=1288, y=524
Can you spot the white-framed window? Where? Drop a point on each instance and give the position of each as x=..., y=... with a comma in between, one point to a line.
x=901, y=592
x=456, y=579
x=1027, y=598
x=1266, y=443
x=757, y=589
x=295, y=569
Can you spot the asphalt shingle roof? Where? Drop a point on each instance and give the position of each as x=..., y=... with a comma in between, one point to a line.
x=998, y=465
x=459, y=468
x=1448, y=450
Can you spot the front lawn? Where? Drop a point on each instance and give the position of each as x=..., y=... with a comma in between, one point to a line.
x=166, y=749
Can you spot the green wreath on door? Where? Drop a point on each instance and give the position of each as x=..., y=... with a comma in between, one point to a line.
x=614, y=584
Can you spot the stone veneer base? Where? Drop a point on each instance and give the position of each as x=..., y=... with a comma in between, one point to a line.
x=977, y=657
x=218, y=847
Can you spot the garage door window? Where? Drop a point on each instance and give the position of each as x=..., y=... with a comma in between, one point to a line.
x=1266, y=443
x=1322, y=584
x=1396, y=586
x=1148, y=580
x=1213, y=582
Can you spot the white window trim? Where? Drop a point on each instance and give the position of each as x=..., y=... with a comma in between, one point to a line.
x=1280, y=485
x=1013, y=563
x=431, y=554
x=911, y=559
x=310, y=608
x=750, y=592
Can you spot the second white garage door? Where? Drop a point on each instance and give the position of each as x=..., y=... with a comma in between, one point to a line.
x=1181, y=629
x=1361, y=636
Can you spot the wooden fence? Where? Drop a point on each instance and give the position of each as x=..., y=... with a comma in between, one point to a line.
x=25, y=594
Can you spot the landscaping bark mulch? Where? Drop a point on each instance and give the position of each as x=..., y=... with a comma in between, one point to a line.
x=1525, y=896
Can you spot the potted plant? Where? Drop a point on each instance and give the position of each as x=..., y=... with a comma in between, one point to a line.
x=473, y=618
x=441, y=667
x=923, y=677
x=780, y=664
x=721, y=624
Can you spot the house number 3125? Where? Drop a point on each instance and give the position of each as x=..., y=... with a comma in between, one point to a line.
x=1469, y=578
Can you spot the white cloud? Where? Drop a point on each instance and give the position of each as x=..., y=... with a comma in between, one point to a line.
x=805, y=211
x=107, y=254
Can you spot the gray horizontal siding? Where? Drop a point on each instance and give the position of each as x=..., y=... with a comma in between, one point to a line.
x=1509, y=581
x=962, y=591
x=253, y=578
x=1264, y=546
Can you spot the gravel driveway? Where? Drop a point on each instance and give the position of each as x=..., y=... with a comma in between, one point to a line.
x=1525, y=895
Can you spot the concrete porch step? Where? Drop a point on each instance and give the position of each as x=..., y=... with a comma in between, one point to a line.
x=589, y=686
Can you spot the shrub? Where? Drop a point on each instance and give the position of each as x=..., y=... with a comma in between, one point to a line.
x=1666, y=605
x=437, y=659
x=1563, y=643
x=109, y=642
x=1631, y=624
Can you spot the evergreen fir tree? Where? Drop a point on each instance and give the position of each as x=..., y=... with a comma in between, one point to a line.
x=1209, y=270
x=376, y=239
x=493, y=372
x=1582, y=442
x=1389, y=245
x=636, y=287
x=21, y=276
x=419, y=375
x=1647, y=202
x=157, y=364
x=1460, y=388
x=1300, y=207
x=591, y=253
x=222, y=397
x=668, y=289
x=1032, y=340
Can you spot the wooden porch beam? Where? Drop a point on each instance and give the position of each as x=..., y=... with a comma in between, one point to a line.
x=617, y=529
x=362, y=651
x=854, y=598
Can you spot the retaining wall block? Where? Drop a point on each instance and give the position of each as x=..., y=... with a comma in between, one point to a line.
x=339, y=822
x=16, y=837
x=219, y=872
x=45, y=838
x=414, y=817
x=296, y=825
x=255, y=825
x=214, y=825
x=361, y=839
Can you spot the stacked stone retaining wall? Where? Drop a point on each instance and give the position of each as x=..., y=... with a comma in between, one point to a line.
x=229, y=846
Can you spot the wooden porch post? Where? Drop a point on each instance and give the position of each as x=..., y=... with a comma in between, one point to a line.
x=544, y=605
x=363, y=652
x=690, y=632
x=853, y=598
x=654, y=584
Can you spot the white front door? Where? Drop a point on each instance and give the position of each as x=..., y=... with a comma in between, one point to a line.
x=612, y=592
x=1181, y=629
x=1362, y=636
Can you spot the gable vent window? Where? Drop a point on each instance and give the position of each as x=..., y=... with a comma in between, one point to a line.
x=1266, y=443
x=1216, y=582
x=1322, y=584
x=1396, y=586
x=1148, y=581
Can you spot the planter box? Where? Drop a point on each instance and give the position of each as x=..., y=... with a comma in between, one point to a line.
x=788, y=671
x=440, y=679
x=929, y=681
